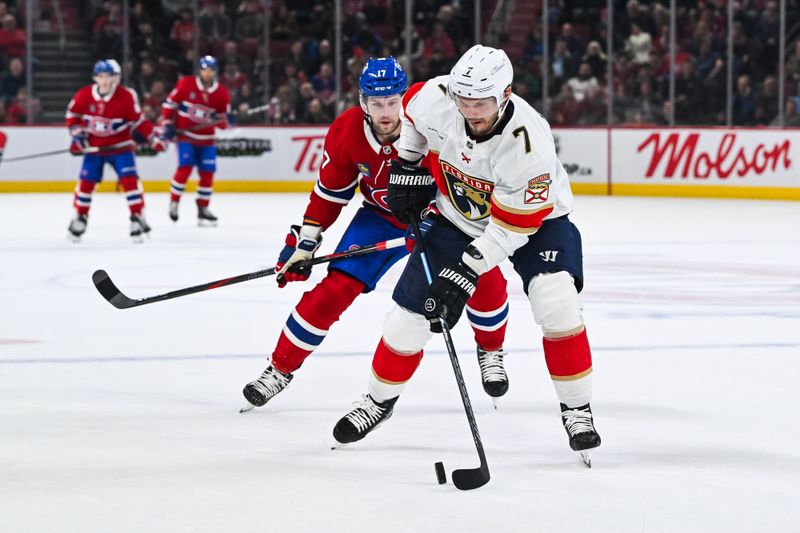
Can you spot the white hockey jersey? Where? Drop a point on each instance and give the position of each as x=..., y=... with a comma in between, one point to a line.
x=498, y=190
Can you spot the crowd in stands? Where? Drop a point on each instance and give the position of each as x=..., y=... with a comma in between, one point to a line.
x=13, y=91
x=301, y=79
x=640, y=78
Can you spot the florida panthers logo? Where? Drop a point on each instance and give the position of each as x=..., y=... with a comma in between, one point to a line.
x=469, y=195
x=103, y=127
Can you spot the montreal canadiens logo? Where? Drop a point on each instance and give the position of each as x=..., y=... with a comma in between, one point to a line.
x=430, y=305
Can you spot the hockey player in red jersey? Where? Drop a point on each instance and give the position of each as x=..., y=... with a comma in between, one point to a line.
x=102, y=119
x=193, y=110
x=358, y=147
x=502, y=194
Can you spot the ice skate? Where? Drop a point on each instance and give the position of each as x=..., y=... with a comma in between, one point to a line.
x=579, y=425
x=493, y=374
x=173, y=211
x=77, y=227
x=260, y=391
x=367, y=416
x=205, y=217
x=139, y=227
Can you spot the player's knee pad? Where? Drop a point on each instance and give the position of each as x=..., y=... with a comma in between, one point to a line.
x=405, y=332
x=555, y=303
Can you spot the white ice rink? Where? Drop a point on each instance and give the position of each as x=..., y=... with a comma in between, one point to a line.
x=127, y=421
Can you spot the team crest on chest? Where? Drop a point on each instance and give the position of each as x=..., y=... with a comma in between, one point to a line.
x=363, y=168
x=538, y=190
x=471, y=196
x=387, y=150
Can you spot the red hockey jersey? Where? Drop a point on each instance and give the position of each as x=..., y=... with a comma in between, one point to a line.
x=108, y=120
x=190, y=105
x=352, y=158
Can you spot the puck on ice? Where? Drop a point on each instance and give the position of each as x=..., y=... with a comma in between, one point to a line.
x=440, y=475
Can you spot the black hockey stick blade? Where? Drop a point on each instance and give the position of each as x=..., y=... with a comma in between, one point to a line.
x=110, y=292
x=471, y=478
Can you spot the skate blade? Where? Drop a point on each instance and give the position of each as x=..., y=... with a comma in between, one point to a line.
x=586, y=457
x=495, y=403
x=247, y=408
x=138, y=239
x=203, y=223
x=73, y=238
x=335, y=444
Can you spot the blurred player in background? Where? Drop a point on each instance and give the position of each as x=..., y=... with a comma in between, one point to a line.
x=103, y=119
x=193, y=110
x=358, y=147
x=502, y=194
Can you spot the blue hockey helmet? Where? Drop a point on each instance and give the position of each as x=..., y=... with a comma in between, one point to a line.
x=382, y=76
x=106, y=66
x=208, y=62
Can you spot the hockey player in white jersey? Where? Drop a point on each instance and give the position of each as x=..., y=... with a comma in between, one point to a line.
x=502, y=193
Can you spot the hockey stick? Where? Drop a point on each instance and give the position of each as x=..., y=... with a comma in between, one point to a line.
x=464, y=478
x=115, y=297
x=88, y=150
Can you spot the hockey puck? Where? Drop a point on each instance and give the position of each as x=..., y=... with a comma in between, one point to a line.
x=440, y=475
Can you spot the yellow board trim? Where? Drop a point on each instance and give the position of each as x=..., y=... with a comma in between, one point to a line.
x=594, y=189
x=160, y=186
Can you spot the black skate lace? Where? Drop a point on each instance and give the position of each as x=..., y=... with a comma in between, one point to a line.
x=491, y=364
x=366, y=413
x=270, y=383
x=577, y=421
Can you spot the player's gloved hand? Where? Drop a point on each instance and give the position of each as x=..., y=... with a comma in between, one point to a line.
x=448, y=294
x=157, y=143
x=301, y=243
x=167, y=130
x=78, y=143
x=428, y=216
x=409, y=190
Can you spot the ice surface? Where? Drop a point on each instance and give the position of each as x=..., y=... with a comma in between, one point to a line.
x=128, y=420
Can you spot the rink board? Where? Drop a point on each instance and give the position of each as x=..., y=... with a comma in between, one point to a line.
x=700, y=162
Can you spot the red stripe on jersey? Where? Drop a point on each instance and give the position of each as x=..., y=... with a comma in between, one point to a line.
x=568, y=358
x=431, y=162
x=410, y=93
x=518, y=220
x=392, y=367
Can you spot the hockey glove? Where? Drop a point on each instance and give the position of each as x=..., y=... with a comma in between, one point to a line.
x=167, y=131
x=409, y=191
x=301, y=243
x=78, y=143
x=428, y=216
x=448, y=294
x=157, y=143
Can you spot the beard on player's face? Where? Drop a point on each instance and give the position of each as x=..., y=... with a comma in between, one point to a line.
x=384, y=113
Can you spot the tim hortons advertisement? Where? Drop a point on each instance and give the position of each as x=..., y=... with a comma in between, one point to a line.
x=244, y=154
x=707, y=157
x=584, y=154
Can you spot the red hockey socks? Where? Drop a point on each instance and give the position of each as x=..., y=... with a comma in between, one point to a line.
x=83, y=196
x=487, y=310
x=205, y=188
x=133, y=193
x=569, y=360
x=178, y=184
x=390, y=371
x=311, y=319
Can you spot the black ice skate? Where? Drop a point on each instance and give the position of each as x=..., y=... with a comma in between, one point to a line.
x=139, y=227
x=367, y=415
x=173, y=211
x=493, y=374
x=205, y=217
x=77, y=227
x=579, y=425
x=262, y=390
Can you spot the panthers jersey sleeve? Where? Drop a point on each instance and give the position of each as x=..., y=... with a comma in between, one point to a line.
x=338, y=177
x=413, y=145
x=527, y=180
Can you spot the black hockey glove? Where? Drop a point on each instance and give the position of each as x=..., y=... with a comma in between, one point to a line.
x=409, y=190
x=448, y=294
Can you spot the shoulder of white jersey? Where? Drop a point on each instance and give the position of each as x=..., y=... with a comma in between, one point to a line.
x=528, y=130
x=425, y=95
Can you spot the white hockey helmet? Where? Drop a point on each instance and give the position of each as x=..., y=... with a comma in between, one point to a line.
x=481, y=72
